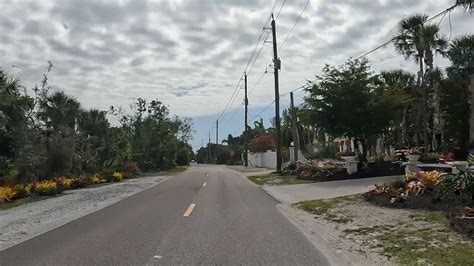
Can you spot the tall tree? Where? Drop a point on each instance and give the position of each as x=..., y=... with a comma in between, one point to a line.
x=398, y=92
x=59, y=113
x=461, y=74
x=344, y=102
x=419, y=42
x=468, y=5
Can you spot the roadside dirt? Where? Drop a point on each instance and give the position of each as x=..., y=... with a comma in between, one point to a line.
x=353, y=231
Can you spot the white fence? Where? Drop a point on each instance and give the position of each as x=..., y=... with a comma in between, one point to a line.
x=263, y=159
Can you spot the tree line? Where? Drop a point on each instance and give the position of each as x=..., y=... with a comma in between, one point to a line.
x=429, y=109
x=47, y=133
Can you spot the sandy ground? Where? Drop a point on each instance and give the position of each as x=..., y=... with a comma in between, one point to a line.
x=26, y=221
x=355, y=240
x=330, y=239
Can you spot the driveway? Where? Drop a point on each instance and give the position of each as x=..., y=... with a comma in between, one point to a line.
x=290, y=194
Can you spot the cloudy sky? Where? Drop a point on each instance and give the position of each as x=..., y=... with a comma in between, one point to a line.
x=190, y=54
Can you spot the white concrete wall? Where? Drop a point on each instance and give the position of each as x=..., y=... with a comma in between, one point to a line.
x=263, y=159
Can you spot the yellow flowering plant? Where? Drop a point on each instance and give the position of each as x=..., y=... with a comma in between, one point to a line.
x=46, y=188
x=96, y=179
x=117, y=176
x=6, y=193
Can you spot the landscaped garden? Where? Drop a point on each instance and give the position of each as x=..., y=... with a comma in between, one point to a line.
x=423, y=218
x=49, y=143
x=12, y=194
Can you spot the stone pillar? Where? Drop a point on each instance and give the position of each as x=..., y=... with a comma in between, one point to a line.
x=351, y=167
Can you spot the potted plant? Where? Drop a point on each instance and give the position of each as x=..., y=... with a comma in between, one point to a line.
x=414, y=154
x=346, y=155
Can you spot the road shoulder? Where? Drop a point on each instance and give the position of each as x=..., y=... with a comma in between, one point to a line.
x=26, y=221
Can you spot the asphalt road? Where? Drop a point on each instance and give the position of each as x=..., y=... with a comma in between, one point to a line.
x=232, y=222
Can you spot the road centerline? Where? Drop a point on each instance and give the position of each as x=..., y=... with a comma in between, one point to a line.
x=189, y=210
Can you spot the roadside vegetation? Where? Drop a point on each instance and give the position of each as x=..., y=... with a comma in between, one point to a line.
x=423, y=219
x=49, y=143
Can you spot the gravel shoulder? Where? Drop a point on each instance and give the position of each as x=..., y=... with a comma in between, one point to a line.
x=26, y=221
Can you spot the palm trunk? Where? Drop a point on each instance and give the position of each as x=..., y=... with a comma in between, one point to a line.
x=424, y=106
x=404, y=128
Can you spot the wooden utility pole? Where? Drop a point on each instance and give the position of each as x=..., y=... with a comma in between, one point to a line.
x=217, y=132
x=276, y=68
x=246, y=155
x=209, y=146
x=294, y=127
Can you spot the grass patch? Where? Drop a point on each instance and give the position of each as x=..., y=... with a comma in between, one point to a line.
x=277, y=179
x=322, y=206
x=325, y=208
x=426, y=247
x=429, y=216
x=367, y=230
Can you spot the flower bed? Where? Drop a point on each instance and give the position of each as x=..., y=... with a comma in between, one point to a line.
x=451, y=194
x=329, y=171
x=52, y=187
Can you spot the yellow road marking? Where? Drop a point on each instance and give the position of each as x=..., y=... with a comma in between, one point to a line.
x=189, y=210
x=204, y=184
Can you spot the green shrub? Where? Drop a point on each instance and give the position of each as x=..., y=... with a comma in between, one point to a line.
x=21, y=191
x=81, y=182
x=319, y=151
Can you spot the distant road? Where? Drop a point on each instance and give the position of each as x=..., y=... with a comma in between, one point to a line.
x=206, y=215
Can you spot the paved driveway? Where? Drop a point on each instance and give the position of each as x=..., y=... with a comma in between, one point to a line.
x=290, y=194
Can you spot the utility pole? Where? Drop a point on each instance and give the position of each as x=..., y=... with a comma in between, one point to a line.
x=294, y=127
x=246, y=155
x=209, y=146
x=217, y=132
x=276, y=67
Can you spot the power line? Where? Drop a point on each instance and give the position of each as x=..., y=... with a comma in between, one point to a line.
x=252, y=56
x=231, y=100
x=442, y=13
x=281, y=7
x=258, y=81
x=268, y=105
x=294, y=25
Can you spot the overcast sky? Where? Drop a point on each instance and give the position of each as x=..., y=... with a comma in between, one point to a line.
x=190, y=54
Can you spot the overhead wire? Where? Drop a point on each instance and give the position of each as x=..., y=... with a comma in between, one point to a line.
x=281, y=7
x=442, y=13
x=294, y=25
x=253, y=56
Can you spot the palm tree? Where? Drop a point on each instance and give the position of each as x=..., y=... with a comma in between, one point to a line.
x=468, y=5
x=461, y=55
x=419, y=42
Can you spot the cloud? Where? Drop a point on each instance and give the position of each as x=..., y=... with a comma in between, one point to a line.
x=190, y=54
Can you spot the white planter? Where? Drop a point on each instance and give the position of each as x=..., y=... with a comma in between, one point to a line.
x=461, y=165
x=349, y=158
x=413, y=157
